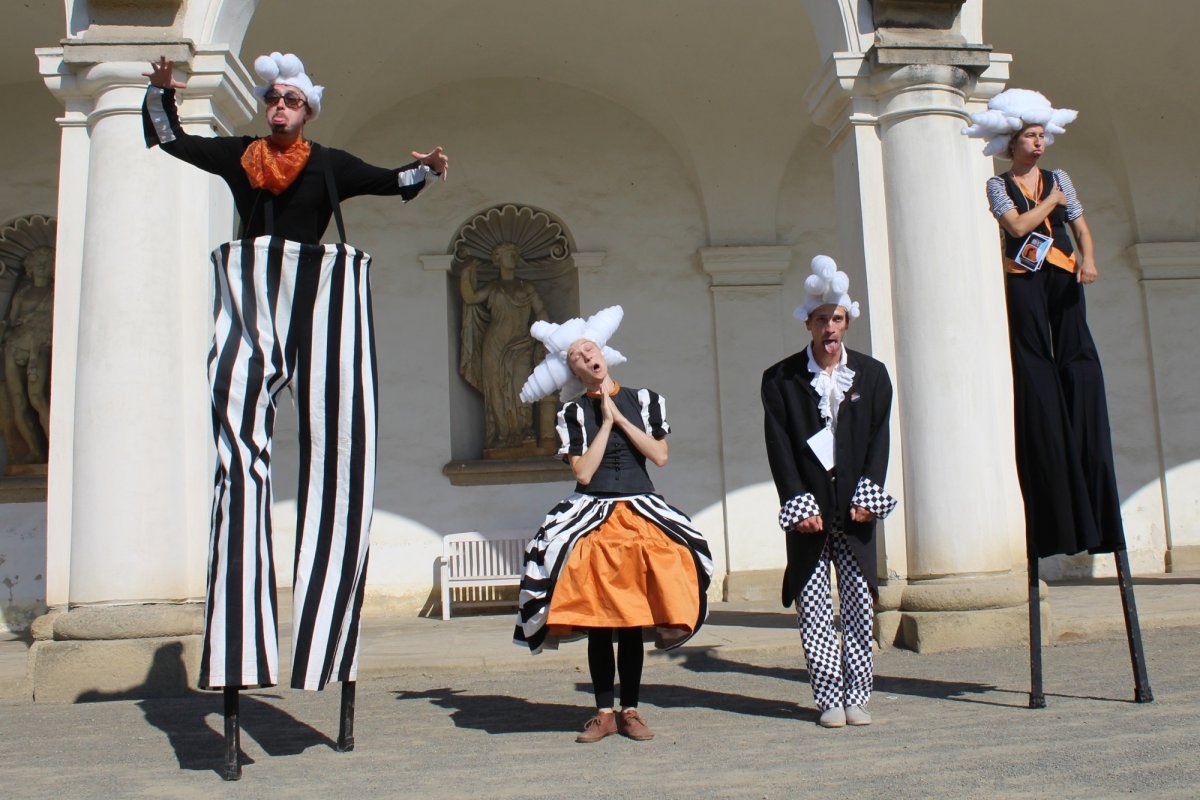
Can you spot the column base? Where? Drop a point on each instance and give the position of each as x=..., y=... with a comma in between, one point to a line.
x=963, y=612
x=98, y=653
x=1183, y=558
x=754, y=586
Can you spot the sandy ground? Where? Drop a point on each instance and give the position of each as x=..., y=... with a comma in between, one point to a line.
x=948, y=725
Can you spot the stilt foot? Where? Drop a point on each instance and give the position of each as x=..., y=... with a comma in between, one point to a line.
x=345, y=742
x=231, y=768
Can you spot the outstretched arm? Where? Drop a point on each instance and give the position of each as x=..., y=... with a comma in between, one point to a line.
x=160, y=124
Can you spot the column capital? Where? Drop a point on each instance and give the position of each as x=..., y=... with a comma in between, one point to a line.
x=83, y=76
x=746, y=266
x=862, y=88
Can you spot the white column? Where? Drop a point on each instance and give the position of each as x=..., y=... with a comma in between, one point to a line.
x=130, y=464
x=131, y=470
x=747, y=313
x=1170, y=281
x=913, y=218
x=951, y=341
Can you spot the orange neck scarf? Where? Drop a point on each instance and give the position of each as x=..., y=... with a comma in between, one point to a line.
x=273, y=168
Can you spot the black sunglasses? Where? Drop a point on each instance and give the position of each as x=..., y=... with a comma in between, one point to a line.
x=292, y=101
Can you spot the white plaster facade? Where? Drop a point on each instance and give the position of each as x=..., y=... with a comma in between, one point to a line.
x=707, y=149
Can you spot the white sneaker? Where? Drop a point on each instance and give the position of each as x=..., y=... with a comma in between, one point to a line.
x=857, y=715
x=833, y=718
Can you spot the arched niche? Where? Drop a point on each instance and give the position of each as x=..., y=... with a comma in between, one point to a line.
x=511, y=264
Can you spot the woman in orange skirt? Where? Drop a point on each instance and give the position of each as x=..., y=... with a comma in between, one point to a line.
x=612, y=559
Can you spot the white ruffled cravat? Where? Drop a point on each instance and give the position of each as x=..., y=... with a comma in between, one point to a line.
x=830, y=387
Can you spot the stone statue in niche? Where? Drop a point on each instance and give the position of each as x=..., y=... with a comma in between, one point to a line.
x=26, y=337
x=497, y=351
x=513, y=269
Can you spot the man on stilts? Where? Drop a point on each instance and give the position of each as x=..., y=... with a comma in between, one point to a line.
x=288, y=310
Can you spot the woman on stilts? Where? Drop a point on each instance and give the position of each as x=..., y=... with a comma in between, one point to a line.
x=1063, y=441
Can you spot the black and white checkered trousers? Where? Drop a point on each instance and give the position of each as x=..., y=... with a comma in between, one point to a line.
x=840, y=672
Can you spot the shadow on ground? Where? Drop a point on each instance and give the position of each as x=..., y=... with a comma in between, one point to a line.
x=188, y=718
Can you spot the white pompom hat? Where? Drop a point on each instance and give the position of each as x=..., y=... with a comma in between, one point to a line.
x=1009, y=112
x=287, y=70
x=826, y=285
x=554, y=374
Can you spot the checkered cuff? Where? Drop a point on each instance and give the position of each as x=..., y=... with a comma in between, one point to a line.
x=873, y=498
x=798, y=509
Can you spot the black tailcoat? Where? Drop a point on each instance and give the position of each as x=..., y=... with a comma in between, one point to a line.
x=792, y=415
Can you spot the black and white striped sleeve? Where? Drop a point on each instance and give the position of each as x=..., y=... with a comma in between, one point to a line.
x=654, y=413
x=1074, y=207
x=572, y=435
x=160, y=119
x=998, y=199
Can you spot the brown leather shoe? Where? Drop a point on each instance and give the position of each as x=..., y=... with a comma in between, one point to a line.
x=631, y=724
x=597, y=728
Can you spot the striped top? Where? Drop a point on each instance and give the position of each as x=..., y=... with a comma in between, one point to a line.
x=1001, y=203
x=623, y=468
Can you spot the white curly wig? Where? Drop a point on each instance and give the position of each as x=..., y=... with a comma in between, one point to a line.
x=554, y=373
x=826, y=285
x=1012, y=110
x=278, y=69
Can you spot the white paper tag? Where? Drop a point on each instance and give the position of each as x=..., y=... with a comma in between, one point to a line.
x=821, y=444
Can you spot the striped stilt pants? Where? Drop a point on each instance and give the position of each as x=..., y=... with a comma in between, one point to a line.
x=290, y=313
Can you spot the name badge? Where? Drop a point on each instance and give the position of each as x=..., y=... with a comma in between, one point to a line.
x=821, y=443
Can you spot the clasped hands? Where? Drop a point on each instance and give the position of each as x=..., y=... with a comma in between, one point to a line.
x=815, y=524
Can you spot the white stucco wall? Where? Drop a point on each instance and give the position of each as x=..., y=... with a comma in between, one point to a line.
x=22, y=564
x=620, y=190
x=622, y=168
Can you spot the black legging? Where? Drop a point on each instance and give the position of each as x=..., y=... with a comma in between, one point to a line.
x=630, y=655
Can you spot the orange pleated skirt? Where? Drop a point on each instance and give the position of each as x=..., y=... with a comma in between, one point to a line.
x=625, y=574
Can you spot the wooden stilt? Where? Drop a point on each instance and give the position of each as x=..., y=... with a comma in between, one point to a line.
x=1037, y=698
x=345, y=742
x=1141, y=680
x=231, y=770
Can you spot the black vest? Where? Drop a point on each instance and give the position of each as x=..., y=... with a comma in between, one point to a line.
x=1057, y=218
x=623, y=468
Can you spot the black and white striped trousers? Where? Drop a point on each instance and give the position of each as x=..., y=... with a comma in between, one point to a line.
x=299, y=313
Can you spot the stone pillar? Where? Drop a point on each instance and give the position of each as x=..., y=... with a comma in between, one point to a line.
x=913, y=215
x=1170, y=280
x=747, y=309
x=131, y=466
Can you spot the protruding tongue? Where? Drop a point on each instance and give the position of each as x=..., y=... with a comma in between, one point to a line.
x=831, y=346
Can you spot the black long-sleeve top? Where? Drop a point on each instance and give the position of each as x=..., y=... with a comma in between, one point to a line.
x=302, y=211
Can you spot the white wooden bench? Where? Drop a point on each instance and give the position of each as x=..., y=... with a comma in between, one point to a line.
x=475, y=565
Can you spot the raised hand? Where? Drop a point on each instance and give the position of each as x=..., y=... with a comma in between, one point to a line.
x=435, y=159
x=162, y=74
